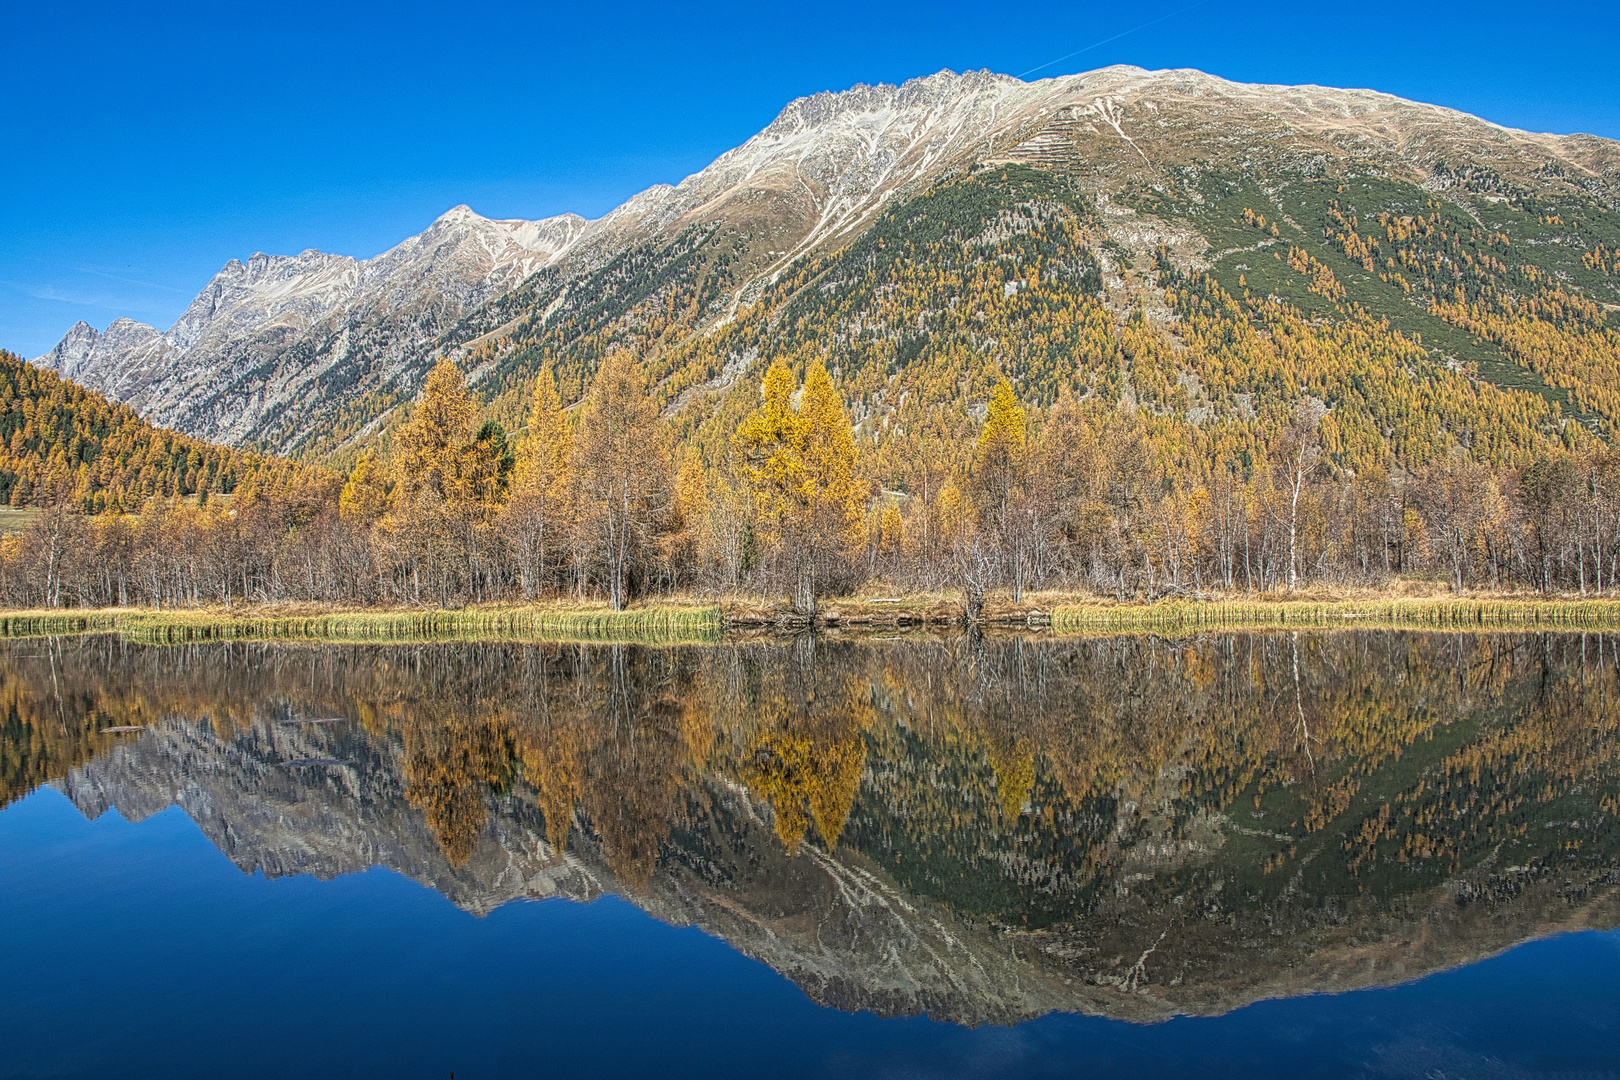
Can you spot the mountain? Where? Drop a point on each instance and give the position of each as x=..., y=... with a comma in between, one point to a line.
x=1332, y=204
x=254, y=339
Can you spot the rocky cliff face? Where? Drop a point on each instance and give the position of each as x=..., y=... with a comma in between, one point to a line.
x=262, y=333
x=272, y=349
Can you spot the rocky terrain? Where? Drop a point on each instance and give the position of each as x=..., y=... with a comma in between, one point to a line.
x=831, y=924
x=261, y=332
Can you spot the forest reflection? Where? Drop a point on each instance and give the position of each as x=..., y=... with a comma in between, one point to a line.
x=1009, y=778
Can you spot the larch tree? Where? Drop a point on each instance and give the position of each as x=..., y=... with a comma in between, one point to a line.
x=453, y=477
x=1000, y=455
x=999, y=484
x=801, y=466
x=364, y=497
x=537, y=517
x=622, y=475
x=1071, y=468
x=683, y=543
x=435, y=443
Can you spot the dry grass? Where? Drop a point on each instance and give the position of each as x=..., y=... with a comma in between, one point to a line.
x=16, y=521
x=1378, y=612
x=1408, y=605
x=651, y=624
x=16, y=624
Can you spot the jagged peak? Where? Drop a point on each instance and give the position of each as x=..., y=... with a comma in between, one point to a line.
x=812, y=179
x=456, y=215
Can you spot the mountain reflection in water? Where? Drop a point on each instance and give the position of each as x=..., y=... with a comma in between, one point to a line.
x=982, y=830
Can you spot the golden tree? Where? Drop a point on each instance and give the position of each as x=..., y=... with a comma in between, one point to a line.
x=536, y=518
x=453, y=476
x=435, y=444
x=365, y=495
x=1000, y=456
x=999, y=485
x=801, y=466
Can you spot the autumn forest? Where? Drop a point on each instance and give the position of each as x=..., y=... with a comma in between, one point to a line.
x=982, y=395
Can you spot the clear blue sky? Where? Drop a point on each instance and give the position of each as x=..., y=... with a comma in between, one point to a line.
x=148, y=143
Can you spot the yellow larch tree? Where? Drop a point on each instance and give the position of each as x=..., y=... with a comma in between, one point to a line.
x=434, y=444
x=623, y=477
x=537, y=517
x=801, y=466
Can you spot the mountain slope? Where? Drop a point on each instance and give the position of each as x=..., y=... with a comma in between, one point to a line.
x=1162, y=167
x=61, y=443
x=257, y=336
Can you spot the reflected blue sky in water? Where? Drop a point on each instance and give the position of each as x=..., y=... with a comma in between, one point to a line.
x=140, y=950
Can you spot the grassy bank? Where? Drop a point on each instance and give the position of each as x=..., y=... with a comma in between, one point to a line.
x=656, y=624
x=17, y=624
x=675, y=623
x=1414, y=614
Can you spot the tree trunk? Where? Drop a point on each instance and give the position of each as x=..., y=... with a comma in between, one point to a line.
x=1293, y=531
x=804, y=592
x=973, y=603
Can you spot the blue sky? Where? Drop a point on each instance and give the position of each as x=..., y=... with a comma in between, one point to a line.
x=146, y=144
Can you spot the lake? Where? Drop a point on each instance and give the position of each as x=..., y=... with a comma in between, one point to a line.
x=1248, y=855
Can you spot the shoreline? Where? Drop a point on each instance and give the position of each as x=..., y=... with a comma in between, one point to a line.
x=678, y=622
x=654, y=624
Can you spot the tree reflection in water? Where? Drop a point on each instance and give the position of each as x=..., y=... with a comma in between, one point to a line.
x=1134, y=824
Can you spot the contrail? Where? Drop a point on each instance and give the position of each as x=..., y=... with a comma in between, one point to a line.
x=1116, y=37
x=131, y=281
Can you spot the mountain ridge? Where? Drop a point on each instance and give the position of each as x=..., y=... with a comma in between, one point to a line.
x=269, y=301
x=252, y=366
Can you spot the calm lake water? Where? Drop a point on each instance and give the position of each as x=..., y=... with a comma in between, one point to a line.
x=1246, y=855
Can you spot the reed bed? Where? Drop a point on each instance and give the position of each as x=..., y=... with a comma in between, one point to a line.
x=649, y=625
x=18, y=624
x=687, y=623
x=1421, y=614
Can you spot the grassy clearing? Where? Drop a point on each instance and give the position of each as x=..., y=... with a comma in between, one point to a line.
x=13, y=521
x=666, y=624
x=681, y=623
x=1411, y=613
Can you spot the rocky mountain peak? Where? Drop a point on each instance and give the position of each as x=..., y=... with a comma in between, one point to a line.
x=457, y=215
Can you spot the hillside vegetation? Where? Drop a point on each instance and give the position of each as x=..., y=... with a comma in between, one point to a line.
x=1340, y=378
x=63, y=445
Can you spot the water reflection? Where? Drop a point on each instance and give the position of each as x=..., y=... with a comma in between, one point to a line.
x=984, y=830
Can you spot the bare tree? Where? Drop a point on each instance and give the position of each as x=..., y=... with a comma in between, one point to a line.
x=623, y=475
x=1298, y=456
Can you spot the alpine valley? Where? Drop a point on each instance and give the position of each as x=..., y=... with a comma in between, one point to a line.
x=1211, y=252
